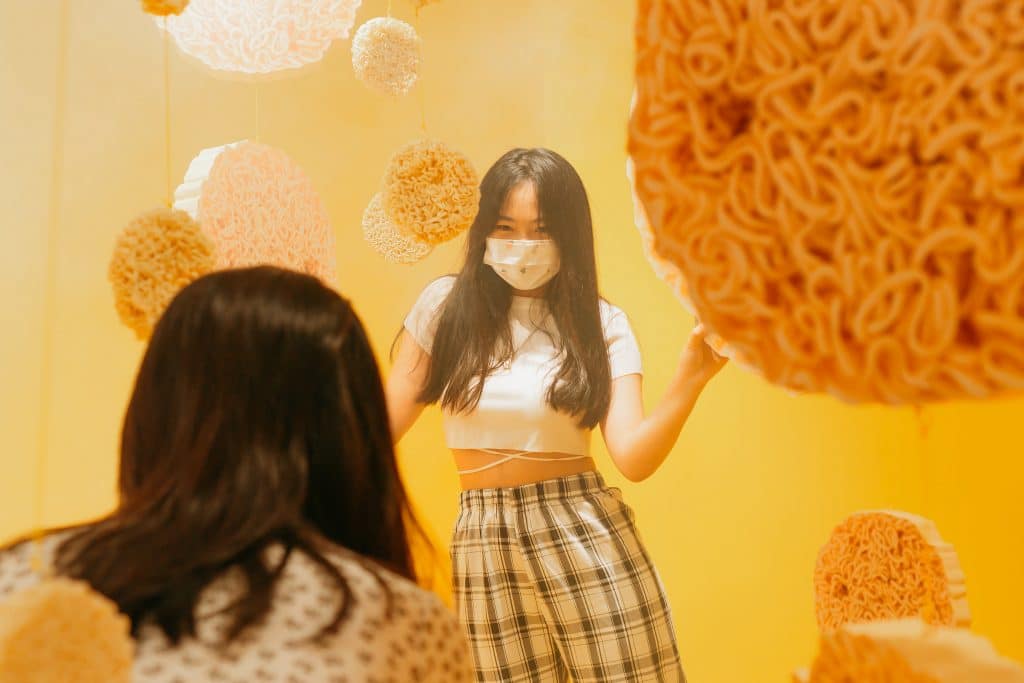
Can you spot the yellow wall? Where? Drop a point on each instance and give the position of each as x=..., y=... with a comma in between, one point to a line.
x=734, y=518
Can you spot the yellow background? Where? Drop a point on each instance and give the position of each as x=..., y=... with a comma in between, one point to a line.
x=736, y=515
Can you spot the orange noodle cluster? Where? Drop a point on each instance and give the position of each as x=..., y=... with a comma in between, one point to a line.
x=887, y=565
x=61, y=631
x=156, y=255
x=838, y=187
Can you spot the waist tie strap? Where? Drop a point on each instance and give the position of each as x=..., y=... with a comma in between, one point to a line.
x=517, y=455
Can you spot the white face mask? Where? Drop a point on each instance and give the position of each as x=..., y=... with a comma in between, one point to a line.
x=523, y=264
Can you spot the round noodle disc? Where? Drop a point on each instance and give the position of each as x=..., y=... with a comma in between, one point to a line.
x=260, y=37
x=909, y=651
x=888, y=565
x=259, y=208
x=838, y=189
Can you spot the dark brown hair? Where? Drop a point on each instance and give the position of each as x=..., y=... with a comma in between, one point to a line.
x=473, y=335
x=258, y=420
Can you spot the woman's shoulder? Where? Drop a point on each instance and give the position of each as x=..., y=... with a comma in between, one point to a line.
x=391, y=614
x=610, y=313
x=438, y=289
x=16, y=571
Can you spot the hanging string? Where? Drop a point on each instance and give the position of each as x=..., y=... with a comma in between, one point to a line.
x=423, y=108
x=389, y=9
x=924, y=424
x=256, y=90
x=50, y=291
x=167, y=113
x=420, y=95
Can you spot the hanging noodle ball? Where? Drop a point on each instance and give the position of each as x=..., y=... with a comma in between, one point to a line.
x=61, y=631
x=163, y=8
x=431, y=193
x=909, y=651
x=259, y=208
x=888, y=565
x=386, y=55
x=259, y=37
x=156, y=255
x=381, y=234
x=840, y=187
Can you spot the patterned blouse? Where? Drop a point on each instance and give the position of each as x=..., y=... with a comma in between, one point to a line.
x=419, y=641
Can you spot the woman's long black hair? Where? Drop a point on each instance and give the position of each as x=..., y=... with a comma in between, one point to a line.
x=258, y=420
x=473, y=336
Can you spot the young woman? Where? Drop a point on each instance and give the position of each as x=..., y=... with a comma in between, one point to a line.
x=525, y=358
x=254, y=450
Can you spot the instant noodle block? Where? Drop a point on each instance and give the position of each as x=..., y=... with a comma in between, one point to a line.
x=908, y=651
x=888, y=565
x=837, y=188
x=257, y=38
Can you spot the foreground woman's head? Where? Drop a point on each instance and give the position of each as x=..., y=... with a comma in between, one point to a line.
x=257, y=419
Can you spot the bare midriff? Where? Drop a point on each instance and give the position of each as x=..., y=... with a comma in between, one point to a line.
x=516, y=472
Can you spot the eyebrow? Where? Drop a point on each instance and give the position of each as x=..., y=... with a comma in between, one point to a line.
x=512, y=220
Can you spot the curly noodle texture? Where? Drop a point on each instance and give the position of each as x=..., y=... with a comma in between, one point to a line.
x=838, y=187
x=909, y=651
x=386, y=55
x=384, y=238
x=258, y=37
x=60, y=631
x=156, y=255
x=887, y=565
x=163, y=8
x=260, y=208
x=431, y=193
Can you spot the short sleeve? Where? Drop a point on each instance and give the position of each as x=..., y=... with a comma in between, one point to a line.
x=623, y=349
x=423, y=318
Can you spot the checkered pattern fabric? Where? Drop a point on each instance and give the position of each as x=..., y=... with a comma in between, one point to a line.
x=551, y=580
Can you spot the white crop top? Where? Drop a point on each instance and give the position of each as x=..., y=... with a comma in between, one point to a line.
x=513, y=412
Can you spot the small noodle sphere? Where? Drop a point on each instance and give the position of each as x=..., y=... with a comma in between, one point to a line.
x=838, y=187
x=888, y=565
x=431, y=193
x=61, y=630
x=156, y=255
x=384, y=238
x=386, y=55
x=164, y=8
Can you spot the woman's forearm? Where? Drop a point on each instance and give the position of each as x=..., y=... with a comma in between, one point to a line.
x=647, y=446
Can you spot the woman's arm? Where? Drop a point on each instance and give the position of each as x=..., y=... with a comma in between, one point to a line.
x=638, y=444
x=405, y=382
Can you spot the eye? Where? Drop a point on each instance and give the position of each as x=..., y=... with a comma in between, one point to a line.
x=542, y=229
x=502, y=227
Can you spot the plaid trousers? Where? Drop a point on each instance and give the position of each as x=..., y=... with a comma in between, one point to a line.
x=551, y=580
